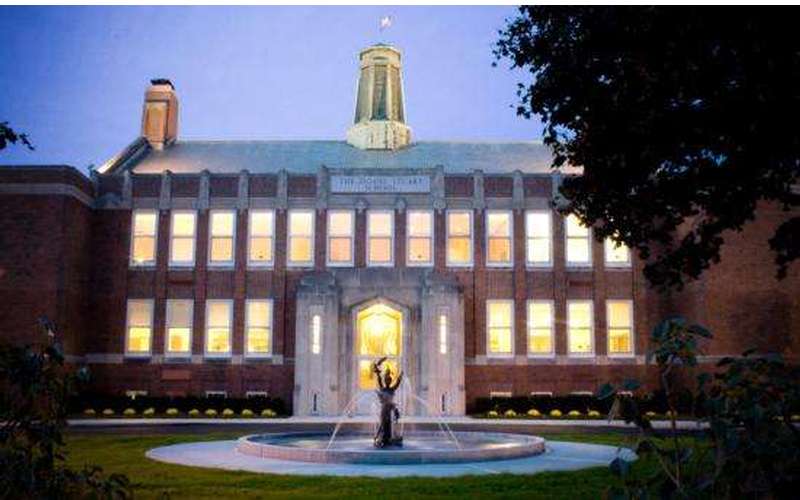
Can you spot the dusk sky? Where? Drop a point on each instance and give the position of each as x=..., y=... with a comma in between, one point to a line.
x=73, y=78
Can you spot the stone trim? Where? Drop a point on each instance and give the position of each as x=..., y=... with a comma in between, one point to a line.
x=45, y=189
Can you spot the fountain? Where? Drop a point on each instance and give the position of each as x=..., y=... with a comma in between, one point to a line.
x=388, y=445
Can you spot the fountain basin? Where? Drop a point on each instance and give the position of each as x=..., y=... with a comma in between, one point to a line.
x=419, y=447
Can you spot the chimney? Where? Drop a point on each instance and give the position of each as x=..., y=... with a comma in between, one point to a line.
x=160, y=114
x=380, y=121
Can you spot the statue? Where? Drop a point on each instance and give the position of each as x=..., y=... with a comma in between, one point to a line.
x=389, y=413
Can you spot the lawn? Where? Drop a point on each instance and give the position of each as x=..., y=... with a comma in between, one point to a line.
x=125, y=454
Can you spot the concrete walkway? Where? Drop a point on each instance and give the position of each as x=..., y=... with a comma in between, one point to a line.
x=560, y=456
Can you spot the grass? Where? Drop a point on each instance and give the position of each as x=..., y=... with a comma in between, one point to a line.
x=125, y=454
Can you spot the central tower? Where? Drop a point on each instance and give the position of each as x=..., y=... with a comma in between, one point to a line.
x=380, y=110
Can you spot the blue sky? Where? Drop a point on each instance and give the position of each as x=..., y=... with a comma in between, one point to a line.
x=73, y=78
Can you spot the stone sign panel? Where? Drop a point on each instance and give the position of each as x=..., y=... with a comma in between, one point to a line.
x=380, y=184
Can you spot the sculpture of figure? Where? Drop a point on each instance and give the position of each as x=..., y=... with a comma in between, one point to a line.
x=389, y=413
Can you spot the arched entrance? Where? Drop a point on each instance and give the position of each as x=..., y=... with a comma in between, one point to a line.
x=379, y=329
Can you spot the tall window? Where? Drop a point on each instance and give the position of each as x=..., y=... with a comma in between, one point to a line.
x=301, y=238
x=459, y=238
x=139, y=328
x=617, y=254
x=179, y=327
x=500, y=329
x=218, y=327
x=258, y=328
x=442, y=332
x=419, y=231
x=499, y=230
x=579, y=250
x=261, y=240
x=379, y=238
x=619, y=315
x=540, y=327
x=340, y=237
x=181, y=244
x=538, y=238
x=144, y=232
x=221, y=231
x=316, y=334
x=580, y=327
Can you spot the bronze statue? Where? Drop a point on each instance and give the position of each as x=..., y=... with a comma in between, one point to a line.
x=389, y=412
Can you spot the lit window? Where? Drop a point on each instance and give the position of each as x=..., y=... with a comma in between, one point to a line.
x=459, y=238
x=498, y=238
x=139, y=327
x=316, y=334
x=340, y=238
x=218, y=328
x=442, y=333
x=181, y=245
x=222, y=228
x=262, y=237
x=578, y=242
x=258, y=327
x=540, y=327
x=617, y=254
x=500, y=327
x=538, y=234
x=580, y=328
x=419, y=230
x=301, y=238
x=143, y=241
x=379, y=238
x=620, y=327
x=179, y=327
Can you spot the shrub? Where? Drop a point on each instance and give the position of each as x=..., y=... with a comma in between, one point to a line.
x=510, y=413
x=228, y=413
x=247, y=413
x=108, y=412
x=795, y=418
x=574, y=414
x=593, y=414
x=671, y=414
x=172, y=412
x=533, y=412
x=150, y=412
x=211, y=413
x=492, y=414
x=129, y=412
x=555, y=413
x=89, y=412
x=194, y=413
x=266, y=412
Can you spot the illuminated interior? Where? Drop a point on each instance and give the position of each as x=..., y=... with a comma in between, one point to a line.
x=379, y=331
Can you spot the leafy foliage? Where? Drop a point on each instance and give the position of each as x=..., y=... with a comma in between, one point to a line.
x=749, y=447
x=680, y=117
x=9, y=136
x=36, y=385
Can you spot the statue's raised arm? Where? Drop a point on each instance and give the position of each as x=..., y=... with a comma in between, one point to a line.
x=397, y=383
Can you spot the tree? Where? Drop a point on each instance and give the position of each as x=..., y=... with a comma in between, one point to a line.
x=9, y=136
x=682, y=119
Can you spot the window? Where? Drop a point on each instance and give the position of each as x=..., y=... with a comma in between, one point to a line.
x=258, y=328
x=617, y=254
x=579, y=251
x=499, y=230
x=222, y=231
x=181, y=245
x=379, y=238
x=459, y=238
x=538, y=233
x=144, y=232
x=218, y=328
x=261, y=241
x=316, y=334
x=139, y=328
x=442, y=332
x=340, y=237
x=540, y=327
x=419, y=230
x=179, y=327
x=580, y=328
x=619, y=315
x=301, y=238
x=500, y=318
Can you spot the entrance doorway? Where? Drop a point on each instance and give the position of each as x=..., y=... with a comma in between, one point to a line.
x=379, y=333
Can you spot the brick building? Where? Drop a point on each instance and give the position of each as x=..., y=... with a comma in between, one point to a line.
x=285, y=267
